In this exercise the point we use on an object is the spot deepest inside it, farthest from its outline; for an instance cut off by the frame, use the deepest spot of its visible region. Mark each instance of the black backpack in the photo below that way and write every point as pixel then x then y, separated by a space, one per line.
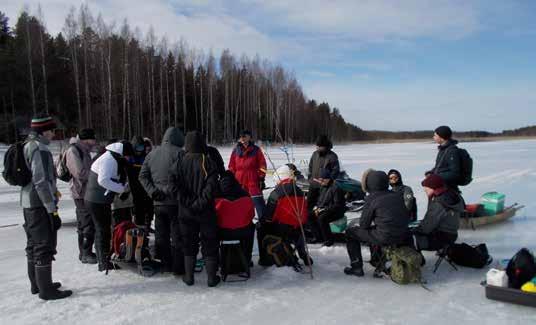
pixel 470 256
pixel 466 163
pixel 521 268
pixel 16 171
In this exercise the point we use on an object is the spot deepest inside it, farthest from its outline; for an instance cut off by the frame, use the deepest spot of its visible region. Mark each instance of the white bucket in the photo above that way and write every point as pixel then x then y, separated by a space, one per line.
pixel 497 278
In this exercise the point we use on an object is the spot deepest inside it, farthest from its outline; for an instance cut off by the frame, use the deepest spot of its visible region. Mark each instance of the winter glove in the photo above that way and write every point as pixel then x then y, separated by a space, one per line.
pixel 123 196
pixel 56 221
pixel 158 195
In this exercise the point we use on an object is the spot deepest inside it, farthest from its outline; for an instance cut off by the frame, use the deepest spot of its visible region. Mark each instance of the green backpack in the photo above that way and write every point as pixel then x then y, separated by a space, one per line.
pixel 405 265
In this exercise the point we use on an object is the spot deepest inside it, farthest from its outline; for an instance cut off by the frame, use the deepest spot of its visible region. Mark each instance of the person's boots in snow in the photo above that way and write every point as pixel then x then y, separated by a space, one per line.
pixel 356 269
pixel 189 268
pixel 104 261
pixel 88 257
pixel 43 278
pixel 80 246
pixel 211 264
pixel 31 275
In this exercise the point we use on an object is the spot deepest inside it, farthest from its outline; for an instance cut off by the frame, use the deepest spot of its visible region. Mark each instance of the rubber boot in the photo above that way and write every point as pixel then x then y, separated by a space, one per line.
pixel 88 257
pixel 103 261
pixel 80 246
pixel 31 275
pixel 189 268
pixel 43 278
pixel 356 269
pixel 211 264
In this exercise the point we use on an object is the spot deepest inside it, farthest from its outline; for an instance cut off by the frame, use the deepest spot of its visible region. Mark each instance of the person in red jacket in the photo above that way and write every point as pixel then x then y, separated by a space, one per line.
pixel 285 213
pixel 248 165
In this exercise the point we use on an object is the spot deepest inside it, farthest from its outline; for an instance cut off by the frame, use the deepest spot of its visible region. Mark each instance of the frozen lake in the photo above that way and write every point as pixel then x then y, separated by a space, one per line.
pixel 273 295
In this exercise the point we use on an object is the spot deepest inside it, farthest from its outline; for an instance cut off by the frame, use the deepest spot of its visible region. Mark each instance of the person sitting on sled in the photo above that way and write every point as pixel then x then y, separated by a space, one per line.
pixel 442 219
pixel 284 215
pixel 330 207
pixel 388 213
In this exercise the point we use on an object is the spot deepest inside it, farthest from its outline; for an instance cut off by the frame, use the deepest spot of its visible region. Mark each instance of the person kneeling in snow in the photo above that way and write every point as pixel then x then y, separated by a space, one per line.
pixel 442 219
pixel 330 207
pixel 283 216
pixel 388 213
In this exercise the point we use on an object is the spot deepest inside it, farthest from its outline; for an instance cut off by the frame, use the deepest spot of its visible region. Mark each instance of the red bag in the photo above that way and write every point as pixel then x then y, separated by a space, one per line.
pixel 235 214
pixel 119 234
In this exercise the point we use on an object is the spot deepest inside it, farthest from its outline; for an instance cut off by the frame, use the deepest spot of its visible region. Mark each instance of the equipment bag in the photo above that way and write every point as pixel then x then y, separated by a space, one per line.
pixel 62 171
pixel 521 268
pixel 119 238
pixel 405 265
pixel 469 256
pixel 16 171
pixel 281 252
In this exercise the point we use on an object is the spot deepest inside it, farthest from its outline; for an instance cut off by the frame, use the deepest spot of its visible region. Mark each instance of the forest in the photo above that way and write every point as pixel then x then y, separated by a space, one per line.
pixel 114 78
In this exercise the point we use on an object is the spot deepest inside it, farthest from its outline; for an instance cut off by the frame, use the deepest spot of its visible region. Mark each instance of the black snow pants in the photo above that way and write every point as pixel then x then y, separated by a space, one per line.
pixel 193 231
pixel 41 235
pixel 168 242
pixel 102 218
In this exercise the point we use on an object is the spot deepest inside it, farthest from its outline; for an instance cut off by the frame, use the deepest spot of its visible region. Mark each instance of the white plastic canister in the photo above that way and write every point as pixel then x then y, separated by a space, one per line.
pixel 497 278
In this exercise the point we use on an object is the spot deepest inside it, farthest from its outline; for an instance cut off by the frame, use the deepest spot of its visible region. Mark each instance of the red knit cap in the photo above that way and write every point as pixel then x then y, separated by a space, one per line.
pixel 433 181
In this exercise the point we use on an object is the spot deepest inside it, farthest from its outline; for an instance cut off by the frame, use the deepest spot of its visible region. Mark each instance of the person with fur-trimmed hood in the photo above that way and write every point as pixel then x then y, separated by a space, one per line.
pixel 39 200
pixel 285 213
pixel 442 219
pixel 107 178
pixel 386 210
pixel 197 185
pixel 395 180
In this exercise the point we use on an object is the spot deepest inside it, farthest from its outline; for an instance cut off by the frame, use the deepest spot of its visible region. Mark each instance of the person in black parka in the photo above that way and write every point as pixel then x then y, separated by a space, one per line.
pixel 448 162
pixel 389 214
pixel 197 183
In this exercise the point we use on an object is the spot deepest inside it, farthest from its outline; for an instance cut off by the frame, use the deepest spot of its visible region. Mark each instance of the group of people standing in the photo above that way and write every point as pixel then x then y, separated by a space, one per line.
pixel 185 184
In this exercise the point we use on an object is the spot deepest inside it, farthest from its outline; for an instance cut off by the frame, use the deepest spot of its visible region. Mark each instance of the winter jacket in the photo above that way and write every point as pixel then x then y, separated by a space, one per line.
pixel 78 162
pixel 323 161
pixel 331 200
pixel 249 167
pixel 107 176
pixel 41 191
pixel 385 209
pixel 229 187
pixel 157 168
pixel 215 155
pixel 197 181
pixel 407 195
pixel 448 164
pixel 235 214
pixel 285 204
pixel 135 163
pixel 443 214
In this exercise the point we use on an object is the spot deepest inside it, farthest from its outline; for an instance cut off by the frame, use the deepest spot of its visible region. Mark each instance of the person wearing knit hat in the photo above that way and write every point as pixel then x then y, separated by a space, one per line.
pixel 448 160
pixel 42 123
pixel 78 161
pixel 384 221
pixel 442 219
pixel 39 200
pixel 323 159
pixel 395 180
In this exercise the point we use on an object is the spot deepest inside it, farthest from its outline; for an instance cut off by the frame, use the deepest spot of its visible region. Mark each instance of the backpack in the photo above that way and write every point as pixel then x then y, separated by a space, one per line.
pixel 469 256
pixel 521 268
pixel 16 171
pixel 466 164
pixel 63 173
pixel 405 265
pixel 280 251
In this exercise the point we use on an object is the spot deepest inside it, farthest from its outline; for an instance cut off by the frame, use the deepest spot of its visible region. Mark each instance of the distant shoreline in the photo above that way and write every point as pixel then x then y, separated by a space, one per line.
pixel 462 139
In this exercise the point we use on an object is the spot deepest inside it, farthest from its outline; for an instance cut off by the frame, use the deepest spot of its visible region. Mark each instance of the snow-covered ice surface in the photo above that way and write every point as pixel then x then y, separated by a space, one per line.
pixel 275 295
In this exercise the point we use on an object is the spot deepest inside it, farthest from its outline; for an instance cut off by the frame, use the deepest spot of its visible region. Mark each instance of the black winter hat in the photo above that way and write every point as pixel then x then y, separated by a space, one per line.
pixel 444 132
pixel 397 173
pixel 194 143
pixel 245 132
pixel 323 141
pixel 87 134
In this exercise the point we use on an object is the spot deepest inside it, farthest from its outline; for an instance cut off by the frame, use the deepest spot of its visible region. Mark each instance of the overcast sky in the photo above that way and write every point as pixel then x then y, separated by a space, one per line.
pixel 386 64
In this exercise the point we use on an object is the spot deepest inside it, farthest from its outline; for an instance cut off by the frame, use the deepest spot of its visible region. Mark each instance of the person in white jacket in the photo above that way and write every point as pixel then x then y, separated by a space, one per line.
pixel 107 178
